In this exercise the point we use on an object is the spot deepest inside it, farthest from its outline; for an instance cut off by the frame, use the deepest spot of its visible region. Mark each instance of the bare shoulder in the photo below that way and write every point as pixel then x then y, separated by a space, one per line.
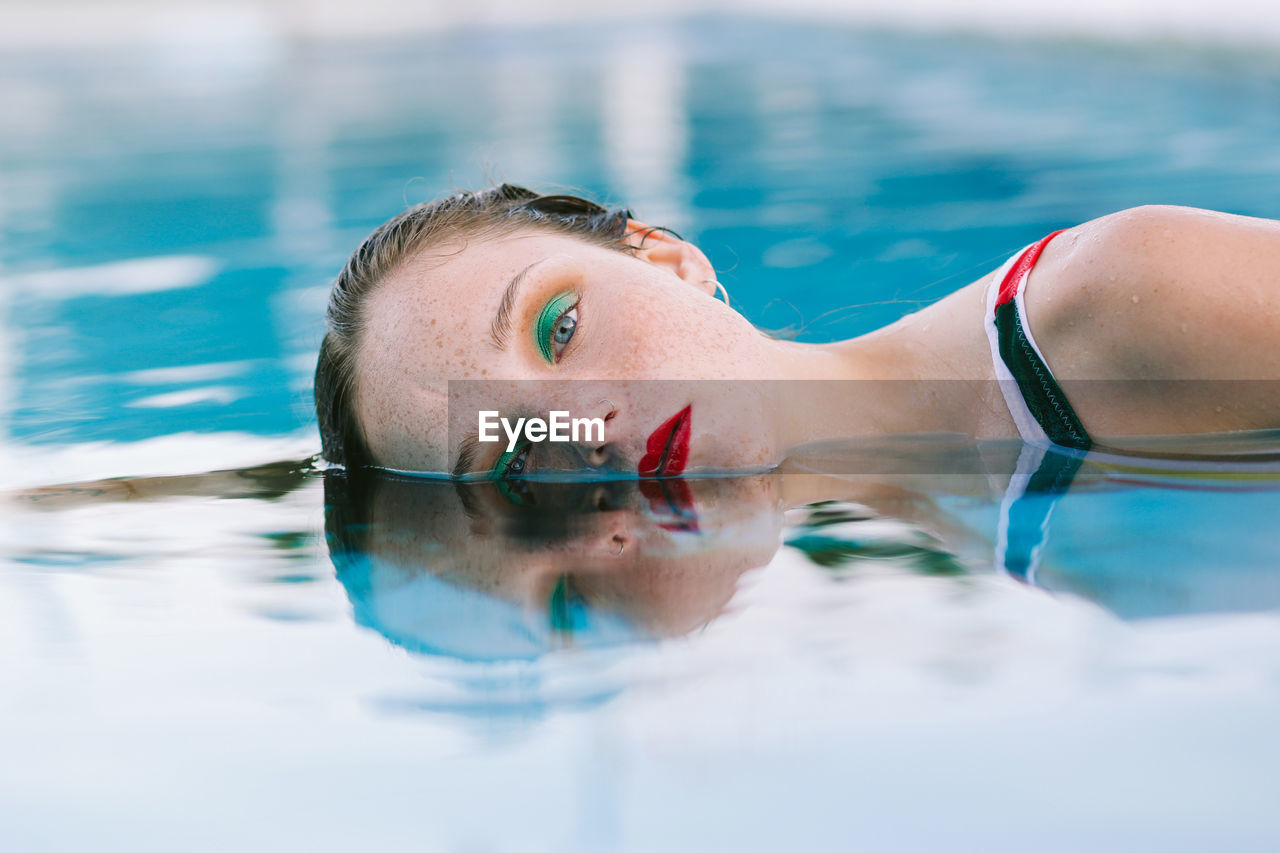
pixel 1161 292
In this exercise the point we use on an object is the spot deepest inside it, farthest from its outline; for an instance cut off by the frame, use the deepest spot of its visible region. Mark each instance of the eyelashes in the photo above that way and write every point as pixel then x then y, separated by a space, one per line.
pixel 555 325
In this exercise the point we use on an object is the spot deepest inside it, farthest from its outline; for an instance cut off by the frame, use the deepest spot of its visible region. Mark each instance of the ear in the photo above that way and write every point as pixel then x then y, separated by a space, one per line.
pixel 664 249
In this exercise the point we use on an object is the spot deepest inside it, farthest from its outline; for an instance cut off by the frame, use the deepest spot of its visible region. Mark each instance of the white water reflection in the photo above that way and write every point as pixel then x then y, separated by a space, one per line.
pixel 644 121
pixel 27 466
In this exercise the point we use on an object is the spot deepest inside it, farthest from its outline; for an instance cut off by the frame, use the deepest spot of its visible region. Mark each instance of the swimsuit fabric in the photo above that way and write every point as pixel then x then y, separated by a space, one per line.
pixel 1036 401
pixel 1045 419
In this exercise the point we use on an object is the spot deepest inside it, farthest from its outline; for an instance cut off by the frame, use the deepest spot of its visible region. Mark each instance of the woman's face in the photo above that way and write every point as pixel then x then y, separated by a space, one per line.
pixel 613 550
pixel 531 322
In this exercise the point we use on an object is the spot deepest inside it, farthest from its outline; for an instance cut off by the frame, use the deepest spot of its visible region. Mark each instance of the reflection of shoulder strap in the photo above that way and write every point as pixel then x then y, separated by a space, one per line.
pixel 1042 477
pixel 1037 403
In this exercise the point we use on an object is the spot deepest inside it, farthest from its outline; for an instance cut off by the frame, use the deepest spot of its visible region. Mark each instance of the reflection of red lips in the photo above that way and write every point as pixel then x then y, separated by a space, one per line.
pixel 668 447
pixel 667 452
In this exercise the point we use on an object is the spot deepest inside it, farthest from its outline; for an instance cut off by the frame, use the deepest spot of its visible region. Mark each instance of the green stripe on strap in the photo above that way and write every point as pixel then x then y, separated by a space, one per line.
pixel 1041 392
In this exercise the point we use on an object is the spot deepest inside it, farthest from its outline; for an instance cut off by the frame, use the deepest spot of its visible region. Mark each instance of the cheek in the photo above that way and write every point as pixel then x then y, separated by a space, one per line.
pixel 407 431
pixel 733 429
pixel 677 337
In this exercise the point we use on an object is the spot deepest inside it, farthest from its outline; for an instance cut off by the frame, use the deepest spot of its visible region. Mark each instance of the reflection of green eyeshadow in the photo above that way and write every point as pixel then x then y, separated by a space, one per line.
pixel 546 322
pixel 566 609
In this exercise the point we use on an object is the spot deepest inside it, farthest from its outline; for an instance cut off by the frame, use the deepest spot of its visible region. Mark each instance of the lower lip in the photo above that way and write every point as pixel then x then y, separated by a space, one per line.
pixel 671 501
pixel 667 451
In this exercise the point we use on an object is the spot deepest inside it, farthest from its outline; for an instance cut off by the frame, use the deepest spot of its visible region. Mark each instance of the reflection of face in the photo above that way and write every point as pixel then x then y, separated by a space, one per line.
pixel 605 545
pixel 576 311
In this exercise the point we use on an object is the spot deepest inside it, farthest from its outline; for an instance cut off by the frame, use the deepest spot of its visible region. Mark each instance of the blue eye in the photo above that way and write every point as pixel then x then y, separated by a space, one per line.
pixel 565 327
pixel 555 325
pixel 515 466
pixel 508 473
pixel 511 463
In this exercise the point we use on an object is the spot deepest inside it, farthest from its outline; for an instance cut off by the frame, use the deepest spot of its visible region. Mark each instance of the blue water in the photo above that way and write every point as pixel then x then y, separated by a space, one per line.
pixel 183 667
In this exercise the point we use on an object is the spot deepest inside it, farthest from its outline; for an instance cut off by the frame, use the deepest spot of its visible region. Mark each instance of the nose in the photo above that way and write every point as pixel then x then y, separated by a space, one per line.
pixel 604 456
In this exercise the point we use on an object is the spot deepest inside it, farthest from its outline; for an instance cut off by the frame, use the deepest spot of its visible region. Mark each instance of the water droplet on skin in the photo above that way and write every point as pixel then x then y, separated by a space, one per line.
pixel 1217 409
pixel 1113 278
pixel 1135 299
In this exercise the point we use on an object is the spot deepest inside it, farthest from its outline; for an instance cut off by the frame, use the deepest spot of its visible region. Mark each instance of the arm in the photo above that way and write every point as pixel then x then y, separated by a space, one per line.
pixel 1171 307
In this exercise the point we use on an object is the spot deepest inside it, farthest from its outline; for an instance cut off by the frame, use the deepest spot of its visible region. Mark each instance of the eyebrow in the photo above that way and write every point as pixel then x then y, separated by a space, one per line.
pixel 500 329
pixel 500 333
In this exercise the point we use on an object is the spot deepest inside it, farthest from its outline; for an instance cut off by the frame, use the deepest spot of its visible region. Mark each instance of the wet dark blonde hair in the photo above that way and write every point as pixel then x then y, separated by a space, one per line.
pixel 489 212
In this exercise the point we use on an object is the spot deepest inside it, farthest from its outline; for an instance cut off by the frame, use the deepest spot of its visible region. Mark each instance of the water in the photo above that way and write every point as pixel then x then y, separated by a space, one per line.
pixel 184 667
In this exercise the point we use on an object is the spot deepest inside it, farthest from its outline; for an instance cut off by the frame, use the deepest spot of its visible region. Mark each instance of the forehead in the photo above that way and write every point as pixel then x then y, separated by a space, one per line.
pixel 428 323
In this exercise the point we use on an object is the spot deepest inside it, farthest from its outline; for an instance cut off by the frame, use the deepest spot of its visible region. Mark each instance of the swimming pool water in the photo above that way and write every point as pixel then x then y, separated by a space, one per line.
pixel 183 667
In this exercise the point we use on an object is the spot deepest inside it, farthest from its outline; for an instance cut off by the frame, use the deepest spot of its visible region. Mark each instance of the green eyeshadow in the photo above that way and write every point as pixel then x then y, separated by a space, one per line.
pixel 546 322
pixel 504 460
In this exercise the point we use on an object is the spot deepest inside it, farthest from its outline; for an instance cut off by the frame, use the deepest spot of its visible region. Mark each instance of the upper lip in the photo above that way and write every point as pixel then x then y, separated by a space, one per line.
pixel 667 451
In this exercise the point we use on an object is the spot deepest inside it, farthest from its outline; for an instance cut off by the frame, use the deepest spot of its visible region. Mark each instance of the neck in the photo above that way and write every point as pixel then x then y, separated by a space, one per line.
pixel 896 380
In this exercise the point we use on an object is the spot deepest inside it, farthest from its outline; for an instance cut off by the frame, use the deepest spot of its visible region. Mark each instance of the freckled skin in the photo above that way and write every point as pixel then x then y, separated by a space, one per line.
pixel 650 335
pixel 647 316
pixel 1149 293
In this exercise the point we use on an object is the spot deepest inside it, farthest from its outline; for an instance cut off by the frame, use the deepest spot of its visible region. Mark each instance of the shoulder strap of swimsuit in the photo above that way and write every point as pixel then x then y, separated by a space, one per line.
pixel 1036 401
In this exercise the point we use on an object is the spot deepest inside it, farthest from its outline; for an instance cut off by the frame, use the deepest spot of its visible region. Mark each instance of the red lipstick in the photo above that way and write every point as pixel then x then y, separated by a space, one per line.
pixel 668 447
pixel 667 452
